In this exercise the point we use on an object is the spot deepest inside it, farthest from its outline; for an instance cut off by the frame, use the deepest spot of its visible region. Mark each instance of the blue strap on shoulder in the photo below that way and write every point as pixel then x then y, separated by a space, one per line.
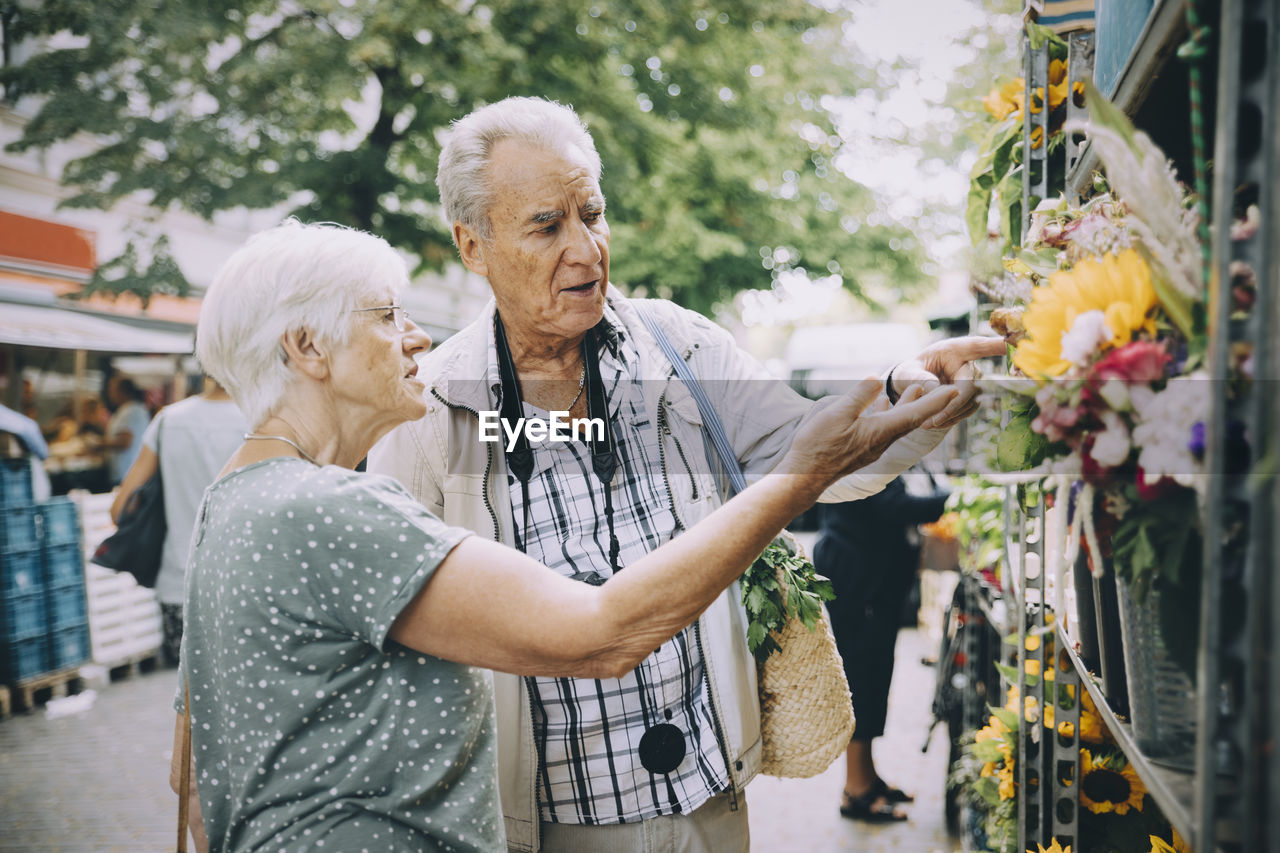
pixel 710 420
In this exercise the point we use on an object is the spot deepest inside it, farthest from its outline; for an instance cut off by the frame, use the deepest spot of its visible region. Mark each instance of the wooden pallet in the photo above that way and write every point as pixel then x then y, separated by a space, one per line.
pixel 124 618
pixel 26 695
pixel 134 666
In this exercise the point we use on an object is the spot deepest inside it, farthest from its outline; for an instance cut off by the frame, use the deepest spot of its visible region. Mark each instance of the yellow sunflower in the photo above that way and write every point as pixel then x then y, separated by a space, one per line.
pixel 1109 784
pixel 1091 729
pixel 1118 286
pixel 1057 83
pixel 1006 99
pixel 1054 847
pixel 1006 789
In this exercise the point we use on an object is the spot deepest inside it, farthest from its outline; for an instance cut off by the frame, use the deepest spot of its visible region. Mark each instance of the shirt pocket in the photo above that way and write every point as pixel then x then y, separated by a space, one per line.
pixel 688 477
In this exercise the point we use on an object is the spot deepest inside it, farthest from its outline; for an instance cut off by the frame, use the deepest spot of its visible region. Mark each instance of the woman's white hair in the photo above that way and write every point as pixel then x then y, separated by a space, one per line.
pixel 293 276
pixel 461 175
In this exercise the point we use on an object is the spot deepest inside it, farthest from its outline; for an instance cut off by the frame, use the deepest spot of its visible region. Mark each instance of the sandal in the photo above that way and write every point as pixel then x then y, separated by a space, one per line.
pixel 893 795
pixel 872 807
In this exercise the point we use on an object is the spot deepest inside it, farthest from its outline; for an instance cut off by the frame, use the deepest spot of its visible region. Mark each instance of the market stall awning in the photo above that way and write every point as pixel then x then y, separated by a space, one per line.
pixel 58 328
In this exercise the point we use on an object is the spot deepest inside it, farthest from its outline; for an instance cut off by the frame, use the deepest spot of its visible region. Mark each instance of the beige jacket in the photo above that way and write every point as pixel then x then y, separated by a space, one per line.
pixel 463 480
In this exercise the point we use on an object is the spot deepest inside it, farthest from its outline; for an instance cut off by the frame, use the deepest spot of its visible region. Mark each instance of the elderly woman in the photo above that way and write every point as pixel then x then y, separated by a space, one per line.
pixel 337 633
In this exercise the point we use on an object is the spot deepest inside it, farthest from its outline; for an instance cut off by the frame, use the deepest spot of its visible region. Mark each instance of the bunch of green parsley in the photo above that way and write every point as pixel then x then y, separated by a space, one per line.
pixel 781 585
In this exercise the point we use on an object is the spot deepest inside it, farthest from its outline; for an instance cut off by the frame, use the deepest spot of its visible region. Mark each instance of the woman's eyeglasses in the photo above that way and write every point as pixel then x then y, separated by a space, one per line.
pixel 399 316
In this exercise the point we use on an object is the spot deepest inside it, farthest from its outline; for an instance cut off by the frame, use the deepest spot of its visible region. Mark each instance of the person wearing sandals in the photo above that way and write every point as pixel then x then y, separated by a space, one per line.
pixel 338 635
pixel 663 751
pixel 869 550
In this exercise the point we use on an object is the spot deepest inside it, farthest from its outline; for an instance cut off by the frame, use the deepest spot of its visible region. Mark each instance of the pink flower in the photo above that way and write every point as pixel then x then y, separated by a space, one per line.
pixel 1138 361
pixel 1150 490
pixel 1055 419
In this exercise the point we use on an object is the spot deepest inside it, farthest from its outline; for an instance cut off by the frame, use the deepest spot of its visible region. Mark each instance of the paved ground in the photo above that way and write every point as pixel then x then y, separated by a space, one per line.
pixel 98 781
pixel 802 815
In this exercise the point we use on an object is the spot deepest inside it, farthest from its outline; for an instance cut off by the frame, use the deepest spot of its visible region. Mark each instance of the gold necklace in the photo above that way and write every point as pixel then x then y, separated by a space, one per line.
pixel 582 382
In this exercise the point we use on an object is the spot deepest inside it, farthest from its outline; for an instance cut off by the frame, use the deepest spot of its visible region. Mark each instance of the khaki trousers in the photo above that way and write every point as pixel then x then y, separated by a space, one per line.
pixel 714 827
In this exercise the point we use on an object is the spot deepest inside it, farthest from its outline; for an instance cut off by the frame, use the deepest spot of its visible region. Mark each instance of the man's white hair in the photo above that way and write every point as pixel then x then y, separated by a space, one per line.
pixel 461 176
pixel 293 276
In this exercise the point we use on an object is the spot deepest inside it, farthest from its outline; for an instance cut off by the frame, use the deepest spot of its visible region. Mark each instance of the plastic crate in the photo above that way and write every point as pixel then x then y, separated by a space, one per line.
pixel 63 565
pixel 18 528
pixel 24 616
pixel 21 572
pixel 61 521
pixel 15 482
pixel 69 646
pixel 23 659
pixel 66 605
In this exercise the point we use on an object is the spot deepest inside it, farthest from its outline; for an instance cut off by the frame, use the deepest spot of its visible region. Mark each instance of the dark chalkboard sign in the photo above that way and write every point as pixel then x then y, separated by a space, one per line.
pixel 1120 22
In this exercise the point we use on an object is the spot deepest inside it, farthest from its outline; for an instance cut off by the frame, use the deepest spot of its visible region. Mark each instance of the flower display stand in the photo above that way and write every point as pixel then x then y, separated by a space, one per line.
pixel 1195 753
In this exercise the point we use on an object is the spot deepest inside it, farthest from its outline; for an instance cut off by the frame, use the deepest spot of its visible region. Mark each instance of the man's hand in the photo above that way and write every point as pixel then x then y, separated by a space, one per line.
pixel 948 362
pixel 842 436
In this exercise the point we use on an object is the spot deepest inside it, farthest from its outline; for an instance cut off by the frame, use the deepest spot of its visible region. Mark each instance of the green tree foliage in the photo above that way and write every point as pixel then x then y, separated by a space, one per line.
pixel 709 118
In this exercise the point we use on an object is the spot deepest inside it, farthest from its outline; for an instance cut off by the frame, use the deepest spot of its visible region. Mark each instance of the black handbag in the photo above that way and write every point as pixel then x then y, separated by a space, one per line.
pixel 138 542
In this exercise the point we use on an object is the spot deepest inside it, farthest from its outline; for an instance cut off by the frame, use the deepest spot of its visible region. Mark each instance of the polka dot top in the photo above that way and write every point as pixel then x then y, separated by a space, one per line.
pixel 310 729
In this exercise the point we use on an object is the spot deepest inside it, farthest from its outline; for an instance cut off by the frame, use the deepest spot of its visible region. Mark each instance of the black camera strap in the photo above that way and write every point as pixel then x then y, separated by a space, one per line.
pixel 604 456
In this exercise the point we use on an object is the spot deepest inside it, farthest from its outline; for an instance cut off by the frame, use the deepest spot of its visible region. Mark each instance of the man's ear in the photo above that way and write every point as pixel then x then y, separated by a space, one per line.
pixel 470 249
pixel 305 353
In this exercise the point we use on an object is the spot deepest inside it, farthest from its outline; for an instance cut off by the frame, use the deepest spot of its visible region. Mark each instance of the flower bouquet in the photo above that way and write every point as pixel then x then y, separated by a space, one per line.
pixel 1105 315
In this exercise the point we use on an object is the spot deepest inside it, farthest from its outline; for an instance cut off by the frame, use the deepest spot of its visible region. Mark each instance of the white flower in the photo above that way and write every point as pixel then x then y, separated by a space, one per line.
pixel 1141 175
pixel 1087 333
pixel 1116 394
pixel 1111 446
pixel 1164 428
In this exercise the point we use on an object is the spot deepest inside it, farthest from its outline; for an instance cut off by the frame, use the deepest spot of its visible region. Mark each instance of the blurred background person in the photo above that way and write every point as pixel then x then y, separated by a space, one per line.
pixel 123 438
pixel 195 437
pixel 870 550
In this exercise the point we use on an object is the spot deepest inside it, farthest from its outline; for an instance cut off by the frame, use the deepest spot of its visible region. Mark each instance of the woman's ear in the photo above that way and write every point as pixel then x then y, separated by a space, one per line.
pixel 303 351
pixel 470 249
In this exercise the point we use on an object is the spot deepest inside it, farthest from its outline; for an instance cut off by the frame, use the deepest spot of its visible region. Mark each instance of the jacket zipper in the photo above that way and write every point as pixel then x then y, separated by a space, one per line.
pixel 715 713
pixel 663 428
pixel 666 429
pixel 488 466
pixel 537 768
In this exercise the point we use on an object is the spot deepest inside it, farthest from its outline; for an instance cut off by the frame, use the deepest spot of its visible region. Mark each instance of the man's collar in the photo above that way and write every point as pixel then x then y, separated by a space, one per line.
pixel 609 332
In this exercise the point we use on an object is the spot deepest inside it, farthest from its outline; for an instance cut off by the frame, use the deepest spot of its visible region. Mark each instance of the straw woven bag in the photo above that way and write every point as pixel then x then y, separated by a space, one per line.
pixel 806 713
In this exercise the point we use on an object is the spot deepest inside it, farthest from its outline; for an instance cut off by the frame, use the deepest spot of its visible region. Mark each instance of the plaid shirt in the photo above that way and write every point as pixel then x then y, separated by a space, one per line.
pixel 588 731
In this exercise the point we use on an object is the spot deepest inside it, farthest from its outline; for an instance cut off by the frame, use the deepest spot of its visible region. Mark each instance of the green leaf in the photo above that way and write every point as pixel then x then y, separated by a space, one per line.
pixel 1007 717
pixel 1002 156
pixel 755 636
pixel 1038 35
pixel 1010 673
pixel 1175 304
pixel 1042 262
pixel 987 750
pixel 1106 114
pixel 1019 447
pixel 755 599
pixel 976 211
pixel 1009 203
pixel 988 789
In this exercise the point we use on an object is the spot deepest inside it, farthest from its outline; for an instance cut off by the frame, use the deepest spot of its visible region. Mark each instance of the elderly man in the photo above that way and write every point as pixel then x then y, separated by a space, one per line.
pixel 579 763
